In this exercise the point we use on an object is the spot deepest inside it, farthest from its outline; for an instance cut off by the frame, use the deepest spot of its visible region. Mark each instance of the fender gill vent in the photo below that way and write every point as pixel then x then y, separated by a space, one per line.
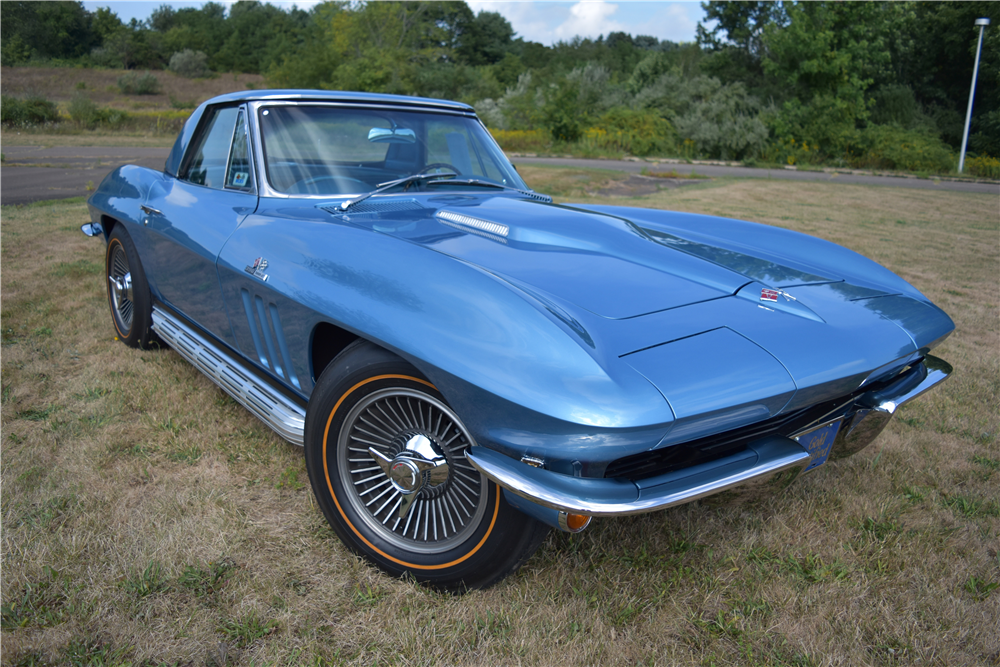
pixel 269 337
pixel 369 206
pixel 478 225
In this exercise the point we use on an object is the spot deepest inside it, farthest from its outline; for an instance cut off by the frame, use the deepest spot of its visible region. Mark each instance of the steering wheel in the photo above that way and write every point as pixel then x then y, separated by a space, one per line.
pixel 299 186
pixel 439 165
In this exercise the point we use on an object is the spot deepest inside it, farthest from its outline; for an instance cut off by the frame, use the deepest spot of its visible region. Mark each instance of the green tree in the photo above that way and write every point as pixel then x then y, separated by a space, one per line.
pixel 827 56
pixel 44 30
pixel 939 70
pixel 735 41
pixel 486 39
pixel 257 35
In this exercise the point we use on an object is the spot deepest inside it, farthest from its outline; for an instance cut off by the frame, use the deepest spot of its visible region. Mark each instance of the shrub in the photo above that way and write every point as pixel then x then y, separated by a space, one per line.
pixel 788 150
pixel 891 147
pixel 983 166
pixel 490 113
pixel 134 83
pixel 521 106
pixel 88 115
pixel 520 141
pixel 633 132
pixel 189 64
pixel 562 114
pixel 82 110
pixel 32 110
pixel 182 104
pixel 596 91
pixel 714 119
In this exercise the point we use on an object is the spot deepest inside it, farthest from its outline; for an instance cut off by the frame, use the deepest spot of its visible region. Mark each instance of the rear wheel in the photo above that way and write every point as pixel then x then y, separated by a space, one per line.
pixel 128 291
pixel 386 458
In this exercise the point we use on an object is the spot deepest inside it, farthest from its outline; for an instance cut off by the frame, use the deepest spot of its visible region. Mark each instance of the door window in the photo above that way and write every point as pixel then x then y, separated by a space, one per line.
pixel 207 164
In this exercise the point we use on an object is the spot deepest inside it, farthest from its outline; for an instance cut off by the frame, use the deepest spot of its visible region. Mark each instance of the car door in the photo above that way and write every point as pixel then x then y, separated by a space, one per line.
pixel 189 218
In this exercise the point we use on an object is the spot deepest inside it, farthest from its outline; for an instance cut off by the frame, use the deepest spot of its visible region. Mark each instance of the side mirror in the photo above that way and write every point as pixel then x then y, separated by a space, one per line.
pixel 394 135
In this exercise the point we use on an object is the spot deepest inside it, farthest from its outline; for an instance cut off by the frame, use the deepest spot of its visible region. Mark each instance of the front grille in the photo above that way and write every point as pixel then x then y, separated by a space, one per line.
pixel 683 455
pixel 686 454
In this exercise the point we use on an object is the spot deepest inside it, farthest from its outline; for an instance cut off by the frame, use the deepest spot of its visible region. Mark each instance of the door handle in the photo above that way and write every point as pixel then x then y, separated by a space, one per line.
pixel 149 210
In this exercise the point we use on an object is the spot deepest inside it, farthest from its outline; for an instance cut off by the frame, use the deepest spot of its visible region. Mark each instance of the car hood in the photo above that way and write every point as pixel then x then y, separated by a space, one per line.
pixel 608 265
pixel 749 305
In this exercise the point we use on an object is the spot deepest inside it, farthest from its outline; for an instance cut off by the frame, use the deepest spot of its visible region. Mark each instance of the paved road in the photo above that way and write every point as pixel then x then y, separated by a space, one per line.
pixel 783 174
pixel 31 173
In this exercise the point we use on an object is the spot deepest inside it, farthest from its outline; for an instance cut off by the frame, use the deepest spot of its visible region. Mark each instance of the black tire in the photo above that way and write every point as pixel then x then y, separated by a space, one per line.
pixel 128 291
pixel 459 533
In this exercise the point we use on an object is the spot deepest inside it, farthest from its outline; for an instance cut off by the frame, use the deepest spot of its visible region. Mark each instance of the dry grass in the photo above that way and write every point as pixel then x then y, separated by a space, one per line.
pixel 62 84
pixel 147 519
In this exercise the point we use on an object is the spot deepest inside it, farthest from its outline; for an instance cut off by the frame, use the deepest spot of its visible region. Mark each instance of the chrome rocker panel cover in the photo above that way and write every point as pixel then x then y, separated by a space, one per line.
pixel 248 389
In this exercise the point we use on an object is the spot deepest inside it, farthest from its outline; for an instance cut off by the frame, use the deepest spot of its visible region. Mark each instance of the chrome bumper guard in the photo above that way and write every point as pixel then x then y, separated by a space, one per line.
pixel 769 464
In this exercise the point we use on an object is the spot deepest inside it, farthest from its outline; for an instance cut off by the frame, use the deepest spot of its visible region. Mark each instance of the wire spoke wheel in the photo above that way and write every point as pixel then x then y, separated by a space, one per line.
pixel 386 456
pixel 120 279
pixel 449 502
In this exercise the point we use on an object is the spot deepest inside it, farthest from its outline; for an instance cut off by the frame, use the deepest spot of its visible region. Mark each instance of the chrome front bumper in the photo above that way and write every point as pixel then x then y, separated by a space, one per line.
pixel 767 464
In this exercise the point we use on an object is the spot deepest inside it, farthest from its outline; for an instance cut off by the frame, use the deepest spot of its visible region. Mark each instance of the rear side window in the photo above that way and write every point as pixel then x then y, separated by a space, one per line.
pixel 207 164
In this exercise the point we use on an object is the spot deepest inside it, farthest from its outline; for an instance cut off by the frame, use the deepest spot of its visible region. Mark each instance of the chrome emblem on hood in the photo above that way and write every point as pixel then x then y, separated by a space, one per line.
pixel 767 294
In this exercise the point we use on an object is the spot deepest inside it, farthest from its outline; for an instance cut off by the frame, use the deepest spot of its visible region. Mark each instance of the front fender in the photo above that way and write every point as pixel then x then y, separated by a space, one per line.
pixel 449 318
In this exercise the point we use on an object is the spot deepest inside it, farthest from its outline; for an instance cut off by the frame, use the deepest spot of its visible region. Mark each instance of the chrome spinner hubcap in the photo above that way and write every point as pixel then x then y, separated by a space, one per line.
pixel 417 465
pixel 402 460
pixel 120 284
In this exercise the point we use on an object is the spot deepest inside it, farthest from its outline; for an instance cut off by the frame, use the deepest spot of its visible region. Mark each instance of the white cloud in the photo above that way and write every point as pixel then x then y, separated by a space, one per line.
pixel 549 22
pixel 673 21
pixel 588 19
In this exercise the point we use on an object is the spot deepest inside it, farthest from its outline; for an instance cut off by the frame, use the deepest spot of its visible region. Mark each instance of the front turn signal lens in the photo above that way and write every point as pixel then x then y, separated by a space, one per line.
pixel 573 523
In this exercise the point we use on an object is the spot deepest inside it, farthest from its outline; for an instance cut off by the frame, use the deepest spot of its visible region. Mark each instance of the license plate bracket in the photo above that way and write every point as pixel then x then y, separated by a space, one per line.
pixel 819 443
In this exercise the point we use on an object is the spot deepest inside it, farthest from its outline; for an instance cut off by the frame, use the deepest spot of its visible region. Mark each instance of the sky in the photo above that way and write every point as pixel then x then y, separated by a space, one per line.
pixel 544 22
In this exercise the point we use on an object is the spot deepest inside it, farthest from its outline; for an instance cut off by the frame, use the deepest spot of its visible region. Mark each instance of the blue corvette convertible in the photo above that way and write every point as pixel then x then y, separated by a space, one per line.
pixel 469 365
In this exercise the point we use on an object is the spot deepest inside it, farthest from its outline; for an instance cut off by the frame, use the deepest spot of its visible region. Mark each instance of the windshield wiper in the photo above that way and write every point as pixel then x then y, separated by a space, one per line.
pixel 407 180
pixel 500 186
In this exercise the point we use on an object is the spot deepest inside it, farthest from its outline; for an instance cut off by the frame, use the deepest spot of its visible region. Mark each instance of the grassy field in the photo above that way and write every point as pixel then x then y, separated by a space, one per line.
pixel 62 84
pixel 147 519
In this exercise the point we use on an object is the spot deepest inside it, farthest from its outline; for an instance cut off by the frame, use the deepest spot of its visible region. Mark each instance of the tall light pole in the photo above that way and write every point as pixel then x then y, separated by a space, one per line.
pixel 982 23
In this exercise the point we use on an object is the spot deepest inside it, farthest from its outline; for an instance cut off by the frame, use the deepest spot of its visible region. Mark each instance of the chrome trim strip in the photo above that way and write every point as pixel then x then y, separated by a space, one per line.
pixel 233 377
pixel 761 463
pixel 257 144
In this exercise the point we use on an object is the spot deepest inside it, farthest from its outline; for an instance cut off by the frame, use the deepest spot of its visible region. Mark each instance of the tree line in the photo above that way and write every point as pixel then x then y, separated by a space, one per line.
pixel 861 84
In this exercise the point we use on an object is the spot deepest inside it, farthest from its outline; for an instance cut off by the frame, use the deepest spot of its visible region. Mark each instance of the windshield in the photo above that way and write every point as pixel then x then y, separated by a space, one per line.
pixel 328 150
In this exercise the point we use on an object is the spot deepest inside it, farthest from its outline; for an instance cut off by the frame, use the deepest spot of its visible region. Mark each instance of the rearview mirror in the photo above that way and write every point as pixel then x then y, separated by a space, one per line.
pixel 395 135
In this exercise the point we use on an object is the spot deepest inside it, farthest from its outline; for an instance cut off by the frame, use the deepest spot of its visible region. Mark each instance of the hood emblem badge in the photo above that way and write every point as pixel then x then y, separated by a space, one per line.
pixel 772 295
pixel 257 269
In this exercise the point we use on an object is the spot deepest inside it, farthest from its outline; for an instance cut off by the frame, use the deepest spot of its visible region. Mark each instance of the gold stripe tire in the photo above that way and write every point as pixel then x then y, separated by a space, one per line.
pixel 458 532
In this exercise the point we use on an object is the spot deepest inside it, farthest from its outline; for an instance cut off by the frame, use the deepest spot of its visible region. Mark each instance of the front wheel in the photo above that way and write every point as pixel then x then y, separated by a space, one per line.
pixel 386 459
pixel 128 291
